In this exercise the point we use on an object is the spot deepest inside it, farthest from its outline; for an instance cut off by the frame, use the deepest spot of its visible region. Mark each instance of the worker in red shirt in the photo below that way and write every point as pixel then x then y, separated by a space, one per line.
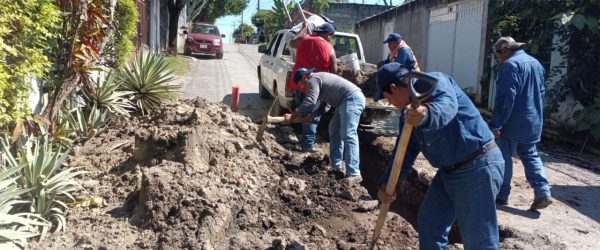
pixel 312 51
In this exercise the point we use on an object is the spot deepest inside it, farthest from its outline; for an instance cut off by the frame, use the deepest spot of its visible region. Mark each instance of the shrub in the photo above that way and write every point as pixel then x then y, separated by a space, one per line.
pixel 47 187
pixel 127 16
pixel 15 227
pixel 148 79
pixel 27 30
pixel 107 96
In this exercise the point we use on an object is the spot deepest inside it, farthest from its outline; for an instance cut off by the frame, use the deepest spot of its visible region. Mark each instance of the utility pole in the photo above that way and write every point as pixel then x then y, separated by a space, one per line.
pixel 258 5
pixel 242 27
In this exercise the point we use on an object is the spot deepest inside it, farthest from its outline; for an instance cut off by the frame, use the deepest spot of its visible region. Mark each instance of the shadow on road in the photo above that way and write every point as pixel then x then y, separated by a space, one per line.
pixel 583 199
pixel 531 214
pixel 250 105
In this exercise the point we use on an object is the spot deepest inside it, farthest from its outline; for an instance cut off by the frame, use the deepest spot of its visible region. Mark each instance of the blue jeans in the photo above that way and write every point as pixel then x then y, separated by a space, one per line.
pixel 343 133
pixel 468 195
pixel 309 131
pixel 534 170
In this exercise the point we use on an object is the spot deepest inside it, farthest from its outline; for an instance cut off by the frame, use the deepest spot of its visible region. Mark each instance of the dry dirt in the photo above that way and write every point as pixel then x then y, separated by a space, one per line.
pixel 194 177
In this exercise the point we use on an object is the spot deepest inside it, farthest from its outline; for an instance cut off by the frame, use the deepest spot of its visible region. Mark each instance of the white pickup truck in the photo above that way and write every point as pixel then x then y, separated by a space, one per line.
pixel 275 68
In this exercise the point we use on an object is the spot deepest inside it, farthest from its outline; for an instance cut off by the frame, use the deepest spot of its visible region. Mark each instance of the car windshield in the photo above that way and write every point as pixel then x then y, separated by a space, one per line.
pixel 205 29
pixel 344 45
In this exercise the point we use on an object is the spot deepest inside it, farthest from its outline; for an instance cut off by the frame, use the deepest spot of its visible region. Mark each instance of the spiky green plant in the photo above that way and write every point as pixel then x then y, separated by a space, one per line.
pixel 85 123
pixel 149 78
pixel 48 187
pixel 106 95
pixel 15 227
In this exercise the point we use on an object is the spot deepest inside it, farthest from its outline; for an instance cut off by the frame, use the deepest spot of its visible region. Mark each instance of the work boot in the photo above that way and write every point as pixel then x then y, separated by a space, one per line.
pixel 311 150
pixel 541 203
pixel 502 202
pixel 353 179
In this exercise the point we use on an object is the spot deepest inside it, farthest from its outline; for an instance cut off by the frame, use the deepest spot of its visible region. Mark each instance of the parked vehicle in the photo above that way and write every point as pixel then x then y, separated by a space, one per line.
pixel 204 39
pixel 275 68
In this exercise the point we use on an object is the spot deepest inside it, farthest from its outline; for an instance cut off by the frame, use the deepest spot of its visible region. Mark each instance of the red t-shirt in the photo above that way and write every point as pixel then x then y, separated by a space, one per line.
pixel 312 52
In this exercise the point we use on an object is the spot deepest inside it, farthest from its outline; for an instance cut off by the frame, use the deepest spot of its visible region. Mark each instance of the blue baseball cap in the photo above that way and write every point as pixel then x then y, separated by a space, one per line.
pixel 326 27
pixel 300 72
pixel 388 74
pixel 393 37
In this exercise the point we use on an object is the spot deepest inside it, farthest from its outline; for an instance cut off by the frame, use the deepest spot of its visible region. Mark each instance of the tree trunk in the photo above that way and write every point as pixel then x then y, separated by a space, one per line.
pixel 66 85
pixel 173 21
pixel 175 7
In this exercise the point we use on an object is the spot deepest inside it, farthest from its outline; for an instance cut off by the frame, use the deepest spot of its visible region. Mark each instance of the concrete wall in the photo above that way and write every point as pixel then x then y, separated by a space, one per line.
pixel 346 15
pixel 411 20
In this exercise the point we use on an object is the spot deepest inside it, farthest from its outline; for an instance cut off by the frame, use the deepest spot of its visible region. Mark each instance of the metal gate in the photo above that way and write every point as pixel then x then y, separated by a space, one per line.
pixel 454 42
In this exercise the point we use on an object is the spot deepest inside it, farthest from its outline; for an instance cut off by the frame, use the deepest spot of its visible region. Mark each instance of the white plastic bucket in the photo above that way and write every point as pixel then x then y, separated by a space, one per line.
pixel 350 61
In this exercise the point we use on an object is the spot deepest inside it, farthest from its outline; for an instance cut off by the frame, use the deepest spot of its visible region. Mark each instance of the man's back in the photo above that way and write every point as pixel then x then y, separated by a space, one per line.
pixel 327 87
pixel 313 52
pixel 453 120
pixel 522 76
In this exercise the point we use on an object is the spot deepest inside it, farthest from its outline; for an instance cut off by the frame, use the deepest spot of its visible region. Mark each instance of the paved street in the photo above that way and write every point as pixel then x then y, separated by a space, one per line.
pixel 213 79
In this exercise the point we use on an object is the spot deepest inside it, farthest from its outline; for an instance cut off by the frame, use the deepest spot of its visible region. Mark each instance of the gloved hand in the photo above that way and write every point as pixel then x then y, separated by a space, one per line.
pixel 416 116
pixel 384 197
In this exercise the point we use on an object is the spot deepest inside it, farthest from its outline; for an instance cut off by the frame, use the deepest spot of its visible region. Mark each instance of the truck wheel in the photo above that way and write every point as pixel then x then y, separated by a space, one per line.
pixel 262 91
pixel 277 109
pixel 220 55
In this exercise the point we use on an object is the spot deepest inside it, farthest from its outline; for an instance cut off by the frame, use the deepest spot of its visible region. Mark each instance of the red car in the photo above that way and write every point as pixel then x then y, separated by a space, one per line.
pixel 204 39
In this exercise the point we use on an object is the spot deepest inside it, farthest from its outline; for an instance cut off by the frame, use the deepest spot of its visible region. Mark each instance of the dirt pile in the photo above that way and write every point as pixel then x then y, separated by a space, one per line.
pixel 195 177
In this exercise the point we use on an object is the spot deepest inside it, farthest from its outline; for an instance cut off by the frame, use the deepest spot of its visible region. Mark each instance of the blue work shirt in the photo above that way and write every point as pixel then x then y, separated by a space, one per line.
pixel 452 130
pixel 519 104
pixel 404 57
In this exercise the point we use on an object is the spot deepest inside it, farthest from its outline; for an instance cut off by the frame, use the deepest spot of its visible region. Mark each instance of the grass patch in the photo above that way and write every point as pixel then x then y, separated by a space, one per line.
pixel 179 64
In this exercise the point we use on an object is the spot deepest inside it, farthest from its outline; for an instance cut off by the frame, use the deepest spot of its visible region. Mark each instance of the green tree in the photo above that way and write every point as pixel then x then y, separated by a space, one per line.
pixel 27 30
pixel 319 6
pixel 263 20
pixel 576 25
pixel 127 16
pixel 243 31
pixel 210 10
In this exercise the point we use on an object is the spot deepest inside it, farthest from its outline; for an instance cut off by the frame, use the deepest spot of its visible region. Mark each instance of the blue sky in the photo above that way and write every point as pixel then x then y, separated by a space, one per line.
pixel 228 24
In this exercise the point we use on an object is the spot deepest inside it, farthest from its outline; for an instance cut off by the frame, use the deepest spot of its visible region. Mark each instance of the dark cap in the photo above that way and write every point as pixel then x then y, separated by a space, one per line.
pixel 388 74
pixel 507 42
pixel 300 72
pixel 393 37
pixel 326 27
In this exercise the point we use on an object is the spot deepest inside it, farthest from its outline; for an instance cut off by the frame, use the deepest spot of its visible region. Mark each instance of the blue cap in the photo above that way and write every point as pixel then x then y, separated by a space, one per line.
pixel 326 27
pixel 388 74
pixel 300 72
pixel 393 37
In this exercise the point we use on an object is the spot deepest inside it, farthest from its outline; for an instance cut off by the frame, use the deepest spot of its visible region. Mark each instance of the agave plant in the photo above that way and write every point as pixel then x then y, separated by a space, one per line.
pixel 15 228
pixel 84 123
pixel 148 78
pixel 107 96
pixel 47 187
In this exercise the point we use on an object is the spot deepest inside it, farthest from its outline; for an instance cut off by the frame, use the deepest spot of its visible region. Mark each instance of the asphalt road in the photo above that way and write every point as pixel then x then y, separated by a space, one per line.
pixel 213 79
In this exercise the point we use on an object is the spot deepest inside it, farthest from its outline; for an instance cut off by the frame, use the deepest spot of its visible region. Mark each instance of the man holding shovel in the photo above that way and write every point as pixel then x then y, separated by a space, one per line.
pixel 348 101
pixel 454 138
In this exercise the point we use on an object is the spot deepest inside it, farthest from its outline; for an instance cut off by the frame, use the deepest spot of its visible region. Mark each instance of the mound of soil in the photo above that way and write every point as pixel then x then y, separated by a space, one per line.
pixel 194 177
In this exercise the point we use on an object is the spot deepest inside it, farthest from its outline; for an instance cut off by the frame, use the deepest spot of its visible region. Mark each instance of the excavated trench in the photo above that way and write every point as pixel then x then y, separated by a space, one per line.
pixel 376 151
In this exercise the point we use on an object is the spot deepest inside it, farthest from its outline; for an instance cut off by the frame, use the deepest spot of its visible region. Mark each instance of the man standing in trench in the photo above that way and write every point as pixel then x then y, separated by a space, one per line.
pixel 349 103
pixel 452 135
pixel 518 118
pixel 313 51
